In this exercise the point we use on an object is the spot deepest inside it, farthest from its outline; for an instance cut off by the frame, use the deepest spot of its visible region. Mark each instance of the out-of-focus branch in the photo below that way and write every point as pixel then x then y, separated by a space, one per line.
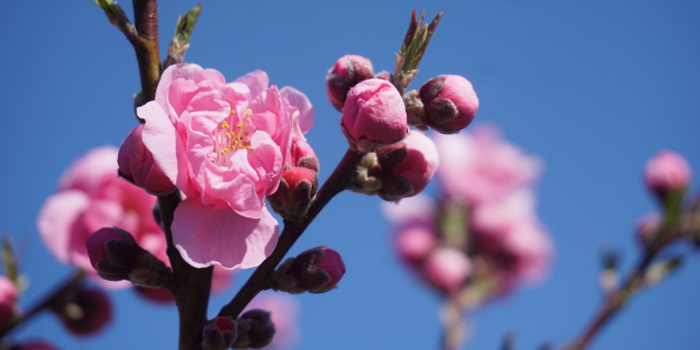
pixel 292 231
pixel 44 303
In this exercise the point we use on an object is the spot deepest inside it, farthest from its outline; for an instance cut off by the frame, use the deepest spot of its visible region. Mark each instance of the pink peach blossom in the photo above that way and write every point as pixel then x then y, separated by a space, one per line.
pixel 285 316
pixel 447 268
pixel 480 166
pixel 413 243
pixel 224 145
pixel 91 196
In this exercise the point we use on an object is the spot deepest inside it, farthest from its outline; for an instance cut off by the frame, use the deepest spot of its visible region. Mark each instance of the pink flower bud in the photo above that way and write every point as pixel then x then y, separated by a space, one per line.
pixel 298 186
pixel 667 171
pixel 86 313
pixel 317 270
pixel 447 268
pixel 302 155
pixel 407 166
pixel 8 300
pixel 413 243
pixel 256 329
pixel 346 73
pixel 219 334
pixel 112 253
pixel 136 164
pixel 374 115
pixel 36 345
pixel 450 103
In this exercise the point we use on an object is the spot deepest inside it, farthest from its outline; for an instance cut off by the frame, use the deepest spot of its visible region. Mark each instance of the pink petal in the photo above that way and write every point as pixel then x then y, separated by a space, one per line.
pixel 234 186
pixel 297 99
pixel 168 149
pixel 171 74
pixel 207 236
pixel 88 172
pixel 257 81
pixel 57 220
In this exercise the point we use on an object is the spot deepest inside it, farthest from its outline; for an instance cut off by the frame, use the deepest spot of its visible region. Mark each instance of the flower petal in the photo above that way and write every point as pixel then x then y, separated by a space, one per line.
pixel 174 72
pixel 299 100
pixel 57 220
pixel 257 81
pixel 207 236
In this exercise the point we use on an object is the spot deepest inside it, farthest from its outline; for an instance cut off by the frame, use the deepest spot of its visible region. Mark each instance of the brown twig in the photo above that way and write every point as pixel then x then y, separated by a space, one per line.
pixel 292 231
pixel 190 286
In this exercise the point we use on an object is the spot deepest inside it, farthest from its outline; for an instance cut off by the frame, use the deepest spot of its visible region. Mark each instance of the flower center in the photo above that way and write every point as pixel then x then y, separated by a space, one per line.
pixel 232 134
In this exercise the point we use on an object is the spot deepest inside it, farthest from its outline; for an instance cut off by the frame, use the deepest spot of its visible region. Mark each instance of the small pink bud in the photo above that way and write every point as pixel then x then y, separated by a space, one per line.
pixel 667 171
pixel 374 115
pixel 256 329
pixel 317 270
pixel 303 155
pixel 447 268
pixel 346 73
pixel 450 103
pixel 112 253
pixel 219 334
pixel 414 243
pixel 136 164
pixel 8 300
pixel 296 189
pixel 86 313
pixel 407 166
pixel 36 345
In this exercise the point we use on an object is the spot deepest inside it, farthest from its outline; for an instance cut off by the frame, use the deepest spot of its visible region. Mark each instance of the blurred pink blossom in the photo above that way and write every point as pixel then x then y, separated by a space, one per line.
pixel 223 145
pixel 447 268
pixel 285 316
pixel 480 166
pixel 90 196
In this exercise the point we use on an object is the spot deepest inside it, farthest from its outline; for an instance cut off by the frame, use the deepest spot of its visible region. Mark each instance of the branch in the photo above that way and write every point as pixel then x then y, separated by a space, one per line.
pixel 191 286
pixel 292 231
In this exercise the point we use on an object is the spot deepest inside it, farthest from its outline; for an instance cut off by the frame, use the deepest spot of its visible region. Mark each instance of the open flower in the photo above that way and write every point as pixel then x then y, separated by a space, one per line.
pixel 224 145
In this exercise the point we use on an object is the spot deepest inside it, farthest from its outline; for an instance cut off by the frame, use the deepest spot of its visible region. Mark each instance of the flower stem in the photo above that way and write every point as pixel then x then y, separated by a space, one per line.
pixel 191 287
pixel 616 300
pixel 292 231
pixel 44 304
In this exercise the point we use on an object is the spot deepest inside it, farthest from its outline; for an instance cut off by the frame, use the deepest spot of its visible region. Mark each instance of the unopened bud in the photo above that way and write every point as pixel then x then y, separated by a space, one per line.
pixel 450 103
pixel 84 311
pixel 219 334
pixel 346 73
pixel 648 227
pixel 413 243
pixel 317 270
pixel 303 156
pixel 136 164
pixel 407 166
pixel 374 116
pixel 666 174
pixel 256 330
pixel 296 189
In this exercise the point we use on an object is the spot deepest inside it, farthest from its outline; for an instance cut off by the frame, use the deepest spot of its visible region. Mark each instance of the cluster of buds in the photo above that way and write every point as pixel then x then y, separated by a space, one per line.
pixel 298 183
pixel 316 270
pixel 116 256
pixel 254 329
pixel 397 171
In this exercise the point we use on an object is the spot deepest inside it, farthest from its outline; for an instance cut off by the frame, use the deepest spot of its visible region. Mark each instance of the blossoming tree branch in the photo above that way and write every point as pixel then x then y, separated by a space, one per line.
pixel 189 198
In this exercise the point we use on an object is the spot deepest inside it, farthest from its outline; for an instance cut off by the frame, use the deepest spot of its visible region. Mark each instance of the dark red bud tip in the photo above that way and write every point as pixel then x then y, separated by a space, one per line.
pixel 219 334
pixel 262 329
pixel 96 244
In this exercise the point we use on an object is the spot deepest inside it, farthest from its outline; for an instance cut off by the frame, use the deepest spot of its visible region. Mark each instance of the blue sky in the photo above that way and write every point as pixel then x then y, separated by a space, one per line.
pixel 594 88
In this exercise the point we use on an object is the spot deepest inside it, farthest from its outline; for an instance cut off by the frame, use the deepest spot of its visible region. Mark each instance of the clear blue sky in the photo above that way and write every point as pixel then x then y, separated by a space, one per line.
pixel 595 88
